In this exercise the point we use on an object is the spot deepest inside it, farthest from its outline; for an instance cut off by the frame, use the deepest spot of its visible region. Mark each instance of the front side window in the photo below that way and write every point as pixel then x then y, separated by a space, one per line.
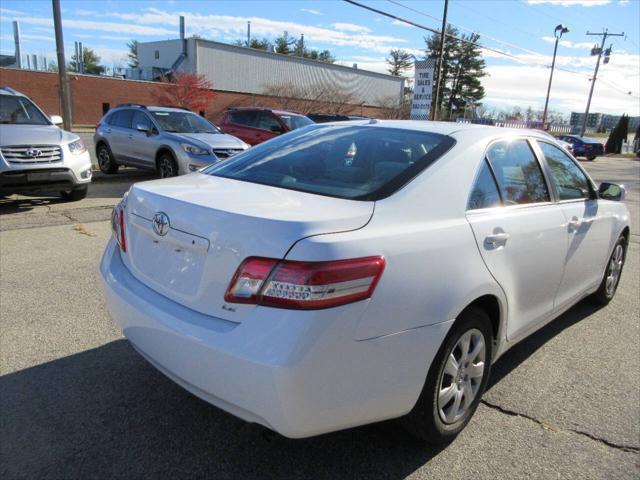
pixel 140 119
pixel 484 193
pixel 20 110
pixel 569 181
pixel 183 122
pixel 268 122
pixel 356 162
pixel 244 117
pixel 517 172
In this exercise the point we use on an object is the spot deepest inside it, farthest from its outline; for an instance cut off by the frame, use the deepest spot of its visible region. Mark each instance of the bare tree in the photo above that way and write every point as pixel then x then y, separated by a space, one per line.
pixel 311 98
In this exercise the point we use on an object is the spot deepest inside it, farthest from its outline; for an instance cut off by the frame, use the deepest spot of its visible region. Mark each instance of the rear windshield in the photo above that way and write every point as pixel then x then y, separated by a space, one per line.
pixel 354 161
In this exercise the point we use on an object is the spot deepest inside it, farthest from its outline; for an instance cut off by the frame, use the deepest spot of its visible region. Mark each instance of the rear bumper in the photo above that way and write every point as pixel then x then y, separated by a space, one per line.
pixel 298 373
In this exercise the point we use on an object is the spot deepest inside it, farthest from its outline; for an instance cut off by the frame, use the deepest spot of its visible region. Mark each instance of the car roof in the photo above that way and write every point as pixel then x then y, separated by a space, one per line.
pixel 10 91
pixel 265 109
pixel 446 128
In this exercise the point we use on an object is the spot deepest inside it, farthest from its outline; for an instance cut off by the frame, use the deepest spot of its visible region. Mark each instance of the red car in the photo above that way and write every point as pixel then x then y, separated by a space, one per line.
pixel 256 125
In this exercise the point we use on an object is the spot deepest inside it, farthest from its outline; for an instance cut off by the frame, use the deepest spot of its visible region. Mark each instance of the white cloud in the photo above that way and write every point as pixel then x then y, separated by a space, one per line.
pixel 232 25
pixel 6 11
pixel 311 11
pixel 571 3
pixel 350 27
pixel 85 13
pixel 569 44
pixel 398 23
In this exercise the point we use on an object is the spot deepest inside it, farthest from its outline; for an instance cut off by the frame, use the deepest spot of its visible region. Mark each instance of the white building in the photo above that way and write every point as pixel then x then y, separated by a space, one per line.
pixel 244 70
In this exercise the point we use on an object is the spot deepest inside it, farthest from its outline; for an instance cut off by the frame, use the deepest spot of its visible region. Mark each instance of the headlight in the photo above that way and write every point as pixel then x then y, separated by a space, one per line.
pixel 193 150
pixel 77 147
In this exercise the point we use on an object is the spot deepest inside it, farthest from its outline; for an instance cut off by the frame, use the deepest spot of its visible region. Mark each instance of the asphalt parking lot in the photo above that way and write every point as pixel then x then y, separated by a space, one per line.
pixel 76 401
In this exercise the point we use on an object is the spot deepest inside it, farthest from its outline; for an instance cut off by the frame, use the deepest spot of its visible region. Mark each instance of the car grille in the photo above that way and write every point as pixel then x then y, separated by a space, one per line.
pixel 226 152
pixel 31 154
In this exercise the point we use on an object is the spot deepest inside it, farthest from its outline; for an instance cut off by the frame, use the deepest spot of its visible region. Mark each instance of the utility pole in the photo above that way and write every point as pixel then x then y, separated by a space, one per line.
pixel 65 93
pixel 560 29
pixel 599 51
pixel 249 33
pixel 434 109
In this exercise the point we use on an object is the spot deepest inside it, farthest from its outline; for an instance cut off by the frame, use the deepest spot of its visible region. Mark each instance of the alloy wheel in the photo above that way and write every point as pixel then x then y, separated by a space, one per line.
pixel 166 167
pixel 103 158
pixel 614 269
pixel 461 377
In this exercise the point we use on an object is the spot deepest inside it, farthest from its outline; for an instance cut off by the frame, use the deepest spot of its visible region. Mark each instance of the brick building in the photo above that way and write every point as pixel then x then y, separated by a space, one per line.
pixel 93 95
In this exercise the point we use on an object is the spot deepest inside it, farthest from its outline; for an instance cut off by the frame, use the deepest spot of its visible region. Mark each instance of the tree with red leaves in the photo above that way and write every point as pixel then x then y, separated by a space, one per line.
pixel 187 90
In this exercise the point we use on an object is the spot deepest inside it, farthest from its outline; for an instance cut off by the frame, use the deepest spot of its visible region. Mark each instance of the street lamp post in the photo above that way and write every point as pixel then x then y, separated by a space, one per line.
pixel 560 29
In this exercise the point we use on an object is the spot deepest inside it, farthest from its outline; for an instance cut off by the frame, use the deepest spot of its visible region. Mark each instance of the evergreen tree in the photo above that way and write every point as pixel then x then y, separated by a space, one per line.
pixel 462 69
pixel 133 54
pixel 617 136
pixel 90 60
pixel 284 43
pixel 399 62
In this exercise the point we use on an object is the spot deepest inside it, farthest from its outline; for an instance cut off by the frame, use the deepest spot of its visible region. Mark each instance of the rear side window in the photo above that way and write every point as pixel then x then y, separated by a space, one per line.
pixel 123 119
pixel 569 181
pixel 241 117
pixel 356 162
pixel 484 193
pixel 517 172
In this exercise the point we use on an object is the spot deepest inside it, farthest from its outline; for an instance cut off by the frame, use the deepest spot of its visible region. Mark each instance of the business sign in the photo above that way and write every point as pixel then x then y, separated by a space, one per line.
pixel 422 88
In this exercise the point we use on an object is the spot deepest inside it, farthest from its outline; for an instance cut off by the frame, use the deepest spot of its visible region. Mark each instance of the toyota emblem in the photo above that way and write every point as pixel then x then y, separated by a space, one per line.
pixel 161 223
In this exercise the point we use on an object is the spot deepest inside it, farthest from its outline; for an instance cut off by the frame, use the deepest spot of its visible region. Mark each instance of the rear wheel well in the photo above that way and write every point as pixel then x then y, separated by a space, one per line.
pixel 625 234
pixel 491 306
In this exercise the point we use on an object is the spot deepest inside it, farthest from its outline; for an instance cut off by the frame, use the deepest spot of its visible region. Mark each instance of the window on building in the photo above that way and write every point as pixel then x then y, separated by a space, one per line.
pixel 156 54
pixel 105 108
pixel 518 172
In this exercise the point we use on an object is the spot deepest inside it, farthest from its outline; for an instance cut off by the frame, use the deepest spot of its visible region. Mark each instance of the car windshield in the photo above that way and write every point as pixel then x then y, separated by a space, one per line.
pixel 183 122
pixel 296 121
pixel 354 162
pixel 20 111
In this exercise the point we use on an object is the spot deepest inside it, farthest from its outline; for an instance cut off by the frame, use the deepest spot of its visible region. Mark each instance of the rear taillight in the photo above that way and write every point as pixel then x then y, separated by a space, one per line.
pixel 304 285
pixel 97 126
pixel 117 226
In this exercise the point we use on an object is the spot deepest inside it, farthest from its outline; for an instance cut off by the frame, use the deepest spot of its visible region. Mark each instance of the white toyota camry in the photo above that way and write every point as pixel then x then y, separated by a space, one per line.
pixel 343 274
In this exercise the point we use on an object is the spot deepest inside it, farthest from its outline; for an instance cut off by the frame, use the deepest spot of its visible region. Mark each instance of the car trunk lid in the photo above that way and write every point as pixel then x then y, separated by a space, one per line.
pixel 214 224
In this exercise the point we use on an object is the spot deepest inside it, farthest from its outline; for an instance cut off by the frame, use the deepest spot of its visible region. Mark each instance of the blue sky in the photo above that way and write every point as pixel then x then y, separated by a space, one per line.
pixel 521 28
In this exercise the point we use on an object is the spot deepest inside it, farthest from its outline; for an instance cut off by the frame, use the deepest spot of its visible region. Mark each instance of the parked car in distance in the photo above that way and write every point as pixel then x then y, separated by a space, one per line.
pixel 566 145
pixel 37 155
pixel 349 273
pixel 584 146
pixel 172 141
pixel 256 125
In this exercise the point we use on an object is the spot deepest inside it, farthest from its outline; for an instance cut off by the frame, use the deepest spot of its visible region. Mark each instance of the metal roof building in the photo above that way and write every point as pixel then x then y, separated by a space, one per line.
pixel 238 69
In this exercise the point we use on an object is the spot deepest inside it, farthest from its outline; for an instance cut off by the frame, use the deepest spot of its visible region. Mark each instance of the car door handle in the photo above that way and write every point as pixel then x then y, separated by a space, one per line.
pixel 574 224
pixel 497 239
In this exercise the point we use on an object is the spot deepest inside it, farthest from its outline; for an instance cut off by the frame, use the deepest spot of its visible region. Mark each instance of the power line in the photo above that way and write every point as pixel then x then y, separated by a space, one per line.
pixel 484 35
pixel 429 29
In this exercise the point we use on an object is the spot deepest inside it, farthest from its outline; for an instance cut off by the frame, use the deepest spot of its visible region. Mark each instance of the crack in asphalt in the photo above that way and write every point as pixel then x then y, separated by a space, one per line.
pixel 64 217
pixel 554 428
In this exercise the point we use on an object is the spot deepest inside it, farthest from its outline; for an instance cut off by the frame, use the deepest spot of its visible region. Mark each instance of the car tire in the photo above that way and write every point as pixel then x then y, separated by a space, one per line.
pixel 167 166
pixel 591 158
pixel 611 278
pixel 440 413
pixel 106 162
pixel 74 195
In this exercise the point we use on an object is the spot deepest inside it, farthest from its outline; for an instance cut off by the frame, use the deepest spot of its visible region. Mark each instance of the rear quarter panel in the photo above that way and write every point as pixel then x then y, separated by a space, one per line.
pixel 433 266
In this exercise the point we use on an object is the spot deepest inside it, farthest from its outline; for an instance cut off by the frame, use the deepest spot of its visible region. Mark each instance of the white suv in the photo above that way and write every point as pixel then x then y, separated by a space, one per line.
pixel 37 155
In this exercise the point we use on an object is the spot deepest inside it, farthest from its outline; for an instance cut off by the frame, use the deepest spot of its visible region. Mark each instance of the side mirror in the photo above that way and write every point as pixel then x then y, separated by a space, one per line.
pixel 56 119
pixel 277 129
pixel 611 191
pixel 141 127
